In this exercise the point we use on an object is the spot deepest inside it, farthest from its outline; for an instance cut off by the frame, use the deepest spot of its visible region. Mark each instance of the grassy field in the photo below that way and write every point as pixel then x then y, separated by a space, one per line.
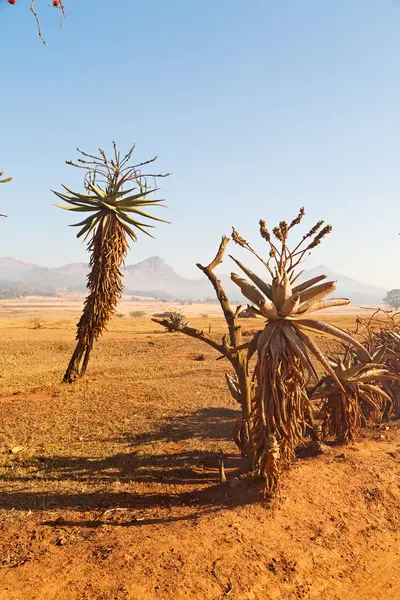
pixel 112 491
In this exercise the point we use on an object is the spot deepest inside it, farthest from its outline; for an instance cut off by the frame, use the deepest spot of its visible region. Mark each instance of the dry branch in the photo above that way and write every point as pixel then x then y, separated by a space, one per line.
pixel 233 351
pixel 194 333
pixel 59 4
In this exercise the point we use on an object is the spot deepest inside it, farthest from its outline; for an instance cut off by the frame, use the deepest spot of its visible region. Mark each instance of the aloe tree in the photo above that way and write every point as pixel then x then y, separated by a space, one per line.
pixel 286 352
pixel 113 218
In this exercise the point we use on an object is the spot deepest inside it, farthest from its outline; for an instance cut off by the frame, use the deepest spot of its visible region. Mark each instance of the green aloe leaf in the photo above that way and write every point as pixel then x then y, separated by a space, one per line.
pixel 75 202
pixel 144 214
pixel 77 208
pixel 89 198
pixel 87 220
pixel 98 191
pixel 134 222
pixel 128 229
pixel 78 194
pixel 89 227
pixel 127 200
pixel 141 227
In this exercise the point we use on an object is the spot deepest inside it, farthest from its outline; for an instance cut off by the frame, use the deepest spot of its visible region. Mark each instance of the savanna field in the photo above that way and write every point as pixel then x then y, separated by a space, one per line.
pixel 110 488
pixel 159 441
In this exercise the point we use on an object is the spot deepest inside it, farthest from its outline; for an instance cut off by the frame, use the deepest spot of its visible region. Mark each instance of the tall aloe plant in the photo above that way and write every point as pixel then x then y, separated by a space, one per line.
pixel 284 347
pixel 114 214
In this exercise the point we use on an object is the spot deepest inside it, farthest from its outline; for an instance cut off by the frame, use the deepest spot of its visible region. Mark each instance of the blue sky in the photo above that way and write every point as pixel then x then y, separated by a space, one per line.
pixel 255 107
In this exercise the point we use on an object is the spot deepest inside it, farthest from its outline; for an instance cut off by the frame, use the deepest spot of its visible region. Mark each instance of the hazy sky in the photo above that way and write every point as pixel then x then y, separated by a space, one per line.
pixel 255 107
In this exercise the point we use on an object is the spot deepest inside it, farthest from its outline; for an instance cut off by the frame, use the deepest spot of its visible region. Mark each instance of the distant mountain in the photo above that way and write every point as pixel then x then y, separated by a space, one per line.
pixel 155 273
pixel 15 270
pixel 346 287
pixel 156 278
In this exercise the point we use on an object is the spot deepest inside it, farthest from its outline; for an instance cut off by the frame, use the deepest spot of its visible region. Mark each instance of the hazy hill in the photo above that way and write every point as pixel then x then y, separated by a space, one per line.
pixel 346 287
pixel 159 279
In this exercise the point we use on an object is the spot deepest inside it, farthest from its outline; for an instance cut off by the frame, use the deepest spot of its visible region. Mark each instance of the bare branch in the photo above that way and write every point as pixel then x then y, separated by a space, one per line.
pixel 220 254
pixel 196 333
pixel 33 11
pixel 229 313
pixel 59 4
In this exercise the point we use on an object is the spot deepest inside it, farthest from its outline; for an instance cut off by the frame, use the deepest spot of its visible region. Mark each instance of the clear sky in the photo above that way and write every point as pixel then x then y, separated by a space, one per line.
pixel 255 107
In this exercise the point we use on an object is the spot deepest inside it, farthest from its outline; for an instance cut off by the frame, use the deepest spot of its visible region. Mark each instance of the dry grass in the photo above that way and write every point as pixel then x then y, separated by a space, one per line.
pixel 36 359
pixel 144 396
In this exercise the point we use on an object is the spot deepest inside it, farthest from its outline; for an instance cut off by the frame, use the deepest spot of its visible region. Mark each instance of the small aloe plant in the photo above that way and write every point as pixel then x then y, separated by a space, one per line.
pixel 357 400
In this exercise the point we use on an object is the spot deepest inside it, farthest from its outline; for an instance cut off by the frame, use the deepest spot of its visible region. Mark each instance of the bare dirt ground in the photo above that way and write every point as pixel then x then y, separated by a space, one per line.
pixel 112 492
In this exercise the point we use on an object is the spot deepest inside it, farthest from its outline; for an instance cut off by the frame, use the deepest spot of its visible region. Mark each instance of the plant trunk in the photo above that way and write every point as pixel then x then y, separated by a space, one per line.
pixel 108 249
pixel 281 408
pixel 240 365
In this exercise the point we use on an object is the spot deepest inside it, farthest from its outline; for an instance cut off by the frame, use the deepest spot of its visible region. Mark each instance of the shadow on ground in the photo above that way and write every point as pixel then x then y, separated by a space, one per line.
pixel 204 424
pixel 195 468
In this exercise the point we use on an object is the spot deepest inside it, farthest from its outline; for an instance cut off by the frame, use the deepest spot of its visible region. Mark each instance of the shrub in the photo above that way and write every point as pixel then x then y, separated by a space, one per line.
pixel 137 314
pixel 174 320
pixel 37 322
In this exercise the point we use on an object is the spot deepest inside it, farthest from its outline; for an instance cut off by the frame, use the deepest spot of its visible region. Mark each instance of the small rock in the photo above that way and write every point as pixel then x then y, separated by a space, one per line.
pixel 16 449
pixel 60 541
pixel 341 456
pixel 201 357
pixel 60 520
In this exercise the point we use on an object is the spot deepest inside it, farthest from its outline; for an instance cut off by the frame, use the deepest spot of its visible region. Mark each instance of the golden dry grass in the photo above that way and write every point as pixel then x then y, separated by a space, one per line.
pixel 142 385
pixel 36 358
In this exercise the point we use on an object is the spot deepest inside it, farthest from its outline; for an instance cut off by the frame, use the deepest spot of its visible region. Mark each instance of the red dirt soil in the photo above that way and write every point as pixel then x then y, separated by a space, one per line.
pixel 334 534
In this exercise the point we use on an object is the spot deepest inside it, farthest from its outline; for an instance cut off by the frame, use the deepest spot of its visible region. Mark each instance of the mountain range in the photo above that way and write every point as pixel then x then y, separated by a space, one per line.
pixel 151 277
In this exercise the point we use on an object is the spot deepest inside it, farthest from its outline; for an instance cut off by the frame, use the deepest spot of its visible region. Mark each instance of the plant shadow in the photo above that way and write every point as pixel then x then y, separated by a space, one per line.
pixel 186 475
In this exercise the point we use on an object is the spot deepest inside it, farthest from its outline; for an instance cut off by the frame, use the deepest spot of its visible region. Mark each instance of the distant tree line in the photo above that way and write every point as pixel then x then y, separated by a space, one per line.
pixel 20 290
